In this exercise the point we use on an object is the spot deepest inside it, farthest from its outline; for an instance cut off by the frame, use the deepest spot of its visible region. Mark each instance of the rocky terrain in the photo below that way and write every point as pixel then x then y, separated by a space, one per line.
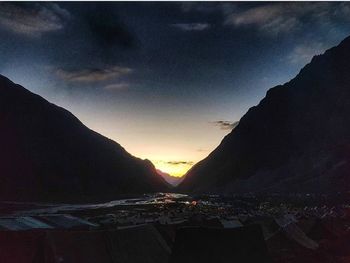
pixel 296 140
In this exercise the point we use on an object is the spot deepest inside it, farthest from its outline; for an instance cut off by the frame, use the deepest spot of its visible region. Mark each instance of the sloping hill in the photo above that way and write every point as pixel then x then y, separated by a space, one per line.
pixel 47 154
pixel 296 140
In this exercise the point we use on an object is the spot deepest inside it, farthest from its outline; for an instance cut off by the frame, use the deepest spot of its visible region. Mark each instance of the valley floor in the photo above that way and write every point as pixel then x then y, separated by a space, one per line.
pixel 294 228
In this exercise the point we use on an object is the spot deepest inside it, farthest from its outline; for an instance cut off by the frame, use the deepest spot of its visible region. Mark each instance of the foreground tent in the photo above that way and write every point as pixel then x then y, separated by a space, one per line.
pixel 142 244
pixel 135 245
pixel 310 240
pixel 214 245
pixel 59 221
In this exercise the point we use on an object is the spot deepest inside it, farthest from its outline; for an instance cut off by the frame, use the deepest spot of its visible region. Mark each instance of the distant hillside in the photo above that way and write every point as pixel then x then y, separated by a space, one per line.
pixel 296 140
pixel 173 180
pixel 47 154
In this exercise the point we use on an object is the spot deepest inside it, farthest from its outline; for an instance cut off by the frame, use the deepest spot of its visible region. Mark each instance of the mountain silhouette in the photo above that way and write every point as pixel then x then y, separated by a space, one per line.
pixel 172 180
pixel 297 139
pixel 47 154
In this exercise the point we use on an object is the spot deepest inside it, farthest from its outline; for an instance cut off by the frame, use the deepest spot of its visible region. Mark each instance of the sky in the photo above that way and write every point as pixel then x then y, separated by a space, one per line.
pixel 166 80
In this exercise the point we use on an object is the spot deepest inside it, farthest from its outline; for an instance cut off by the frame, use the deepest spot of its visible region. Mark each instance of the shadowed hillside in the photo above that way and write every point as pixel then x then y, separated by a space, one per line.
pixel 296 140
pixel 47 154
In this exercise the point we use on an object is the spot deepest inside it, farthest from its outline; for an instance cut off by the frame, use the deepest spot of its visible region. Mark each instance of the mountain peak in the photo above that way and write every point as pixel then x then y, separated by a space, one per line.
pixel 297 139
pixel 47 154
pixel 345 42
pixel 172 180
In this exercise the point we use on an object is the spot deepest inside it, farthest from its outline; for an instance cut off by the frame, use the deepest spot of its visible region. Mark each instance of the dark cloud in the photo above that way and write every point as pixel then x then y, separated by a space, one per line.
pixel 202 150
pixel 274 18
pixel 204 7
pixel 108 30
pixel 117 86
pixel 304 52
pixel 180 162
pixel 32 19
pixel 93 74
pixel 226 125
pixel 191 26
pixel 286 17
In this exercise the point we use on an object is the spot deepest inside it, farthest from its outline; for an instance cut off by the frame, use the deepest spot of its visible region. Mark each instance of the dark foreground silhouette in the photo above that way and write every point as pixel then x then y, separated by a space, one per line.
pixel 296 140
pixel 47 154
pixel 174 228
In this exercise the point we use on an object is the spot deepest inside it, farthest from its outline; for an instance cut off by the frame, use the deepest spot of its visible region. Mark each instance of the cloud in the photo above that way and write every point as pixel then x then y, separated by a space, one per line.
pixel 32 19
pixel 202 150
pixel 343 10
pixel 267 17
pixel 203 7
pixel 303 53
pixel 93 74
pixel 108 30
pixel 118 86
pixel 226 125
pixel 191 26
pixel 275 18
pixel 179 162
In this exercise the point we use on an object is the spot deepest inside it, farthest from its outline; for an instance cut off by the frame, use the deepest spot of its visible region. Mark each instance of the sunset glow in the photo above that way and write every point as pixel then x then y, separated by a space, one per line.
pixel 173 168
pixel 165 88
pixel 169 131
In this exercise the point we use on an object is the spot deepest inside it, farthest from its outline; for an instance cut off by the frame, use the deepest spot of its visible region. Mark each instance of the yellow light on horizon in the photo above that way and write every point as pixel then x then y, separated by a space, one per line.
pixel 174 168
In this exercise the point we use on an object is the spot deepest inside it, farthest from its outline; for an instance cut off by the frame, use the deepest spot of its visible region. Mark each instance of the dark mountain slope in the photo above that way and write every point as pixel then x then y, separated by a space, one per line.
pixel 296 140
pixel 47 154
pixel 172 180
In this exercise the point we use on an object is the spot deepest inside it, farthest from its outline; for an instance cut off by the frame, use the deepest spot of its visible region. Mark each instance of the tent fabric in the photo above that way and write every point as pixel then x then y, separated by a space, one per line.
pixel 285 250
pixel 76 246
pixel 13 224
pixel 20 247
pixel 21 223
pixel 288 225
pixel 138 245
pixel 66 222
pixel 231 223
pixel 135 245
pixel 292 245
pixel 210 245
pixel 295 233
pixel 44 222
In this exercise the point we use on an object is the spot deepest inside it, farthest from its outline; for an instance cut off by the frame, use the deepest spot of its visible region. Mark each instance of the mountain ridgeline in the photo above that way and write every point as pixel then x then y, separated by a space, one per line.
pixel 172 180
pixel 47 154
pixel 297 139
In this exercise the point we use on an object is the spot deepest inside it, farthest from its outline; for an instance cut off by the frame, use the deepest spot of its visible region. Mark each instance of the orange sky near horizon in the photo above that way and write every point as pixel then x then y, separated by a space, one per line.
pixel 172 148
pixel 165 81
pixel 172 153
